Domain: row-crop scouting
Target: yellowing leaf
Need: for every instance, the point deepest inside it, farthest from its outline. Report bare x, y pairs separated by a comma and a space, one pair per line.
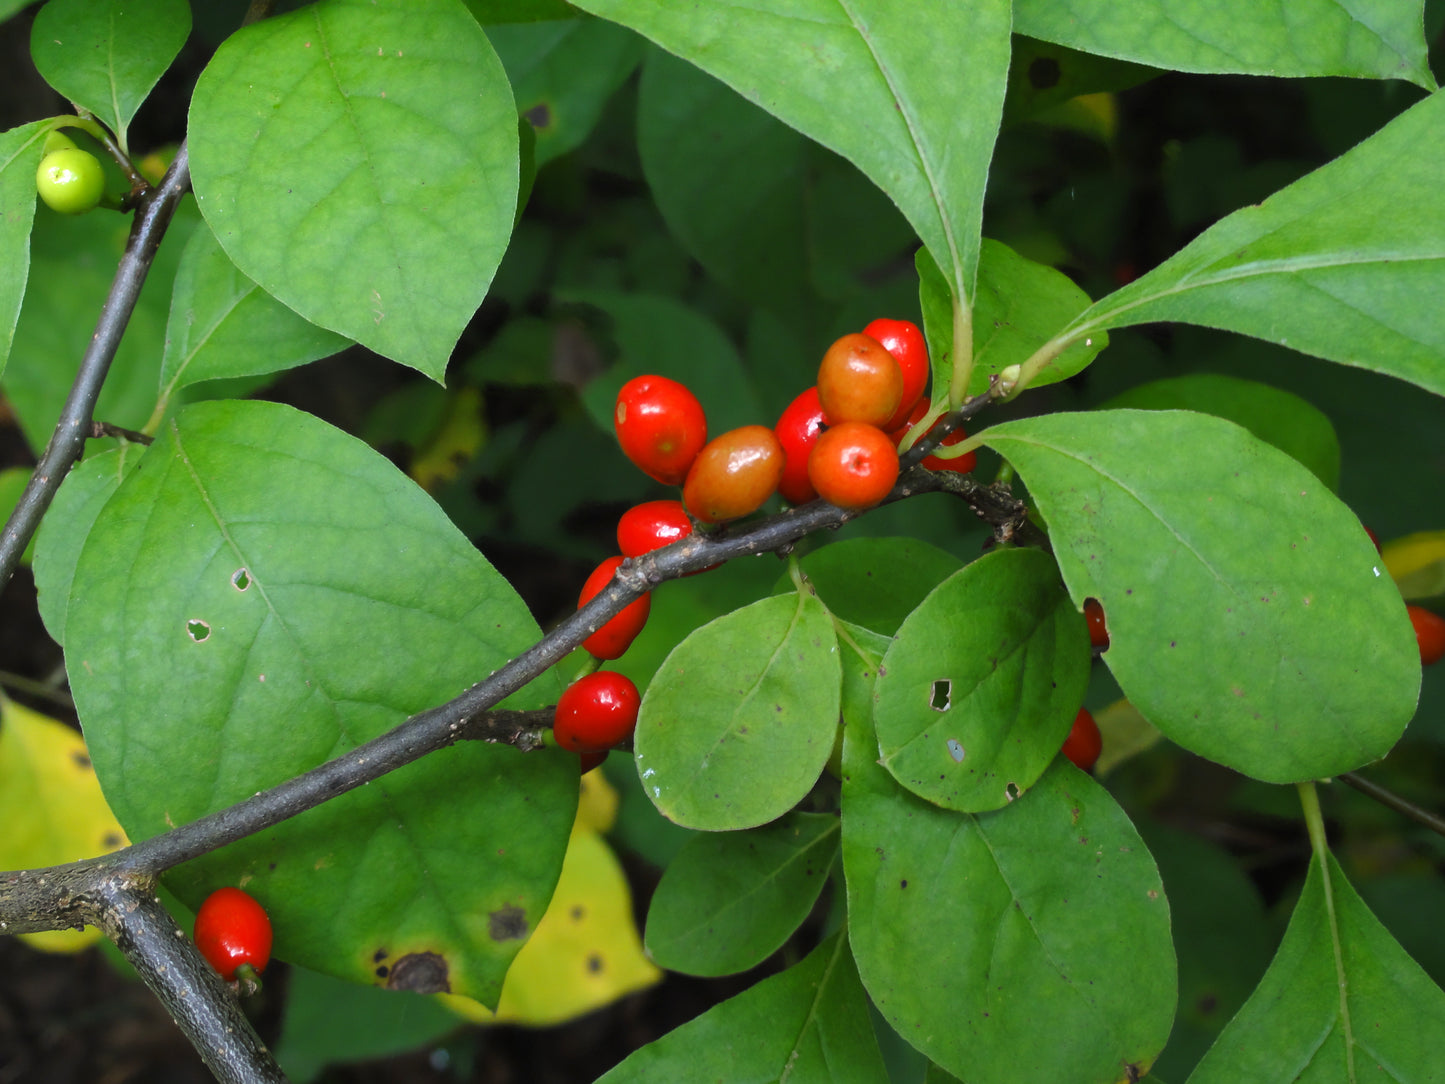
585, 952
50, 804
1126, 734
1417, 563
457, 439
597, 808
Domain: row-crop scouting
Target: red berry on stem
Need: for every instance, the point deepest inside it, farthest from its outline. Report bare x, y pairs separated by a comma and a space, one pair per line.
596, 712
905, 342
734, 474
588, 761
853, 465
859, 381
1430, 632
1098, 631
232, 931
798, 430
613, 638
661, 426
963, 464
1084, 743
650, 526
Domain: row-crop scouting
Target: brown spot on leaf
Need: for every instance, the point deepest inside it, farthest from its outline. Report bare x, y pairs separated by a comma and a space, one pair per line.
594, 963
421, 973
540, 116
507, 924
81, 760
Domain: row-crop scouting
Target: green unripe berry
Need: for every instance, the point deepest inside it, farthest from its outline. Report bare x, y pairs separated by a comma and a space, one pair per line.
70, 181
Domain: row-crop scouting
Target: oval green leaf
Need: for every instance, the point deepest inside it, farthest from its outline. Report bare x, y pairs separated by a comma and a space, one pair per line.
1240, 593
914, 102
981, 684
1328, 266
738, 722
976, 934
876, 582
19, 156
729, 900
358, 160
264, 593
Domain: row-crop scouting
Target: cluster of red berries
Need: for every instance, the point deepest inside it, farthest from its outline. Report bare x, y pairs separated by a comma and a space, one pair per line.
838, 440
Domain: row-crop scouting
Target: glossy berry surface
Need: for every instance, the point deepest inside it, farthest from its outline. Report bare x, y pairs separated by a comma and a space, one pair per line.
798, 430
615, 637
905, 342
853, 465
650, 526
1084, 743
734, 474
1094, 616
859, 381
70, 181
1430, 632
661, 427
233, 930
596, 712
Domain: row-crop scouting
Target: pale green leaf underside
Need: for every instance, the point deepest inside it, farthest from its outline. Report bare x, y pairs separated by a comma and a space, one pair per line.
1296, 1023
264, 593
1365, 38
359, 161
19, 157
1237, 588
913, 98
1347, 263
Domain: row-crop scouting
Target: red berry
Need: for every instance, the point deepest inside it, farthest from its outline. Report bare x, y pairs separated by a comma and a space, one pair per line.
859, 381
797, 432
661, 426
1430, 632
652, 525
963, 464
588, 761
853, 465
613, 638
1098, 631
905, 342
1084, 742
596, 712
734, 474
232, 931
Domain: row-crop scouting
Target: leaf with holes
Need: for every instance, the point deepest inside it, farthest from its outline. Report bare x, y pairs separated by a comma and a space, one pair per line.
729, 900
738, 721
1328, 266
222, 324
981, 684
1238, 589
1341, 1001
106, 55
912, 102
808, 1025
1358, 38
977, 933
263, 593
359, 161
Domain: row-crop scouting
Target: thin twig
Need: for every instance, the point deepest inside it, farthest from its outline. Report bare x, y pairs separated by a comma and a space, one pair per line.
1389, 798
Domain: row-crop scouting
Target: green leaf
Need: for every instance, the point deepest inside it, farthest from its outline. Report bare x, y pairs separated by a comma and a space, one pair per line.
1306, 37
264, 593
1347, 263
912, 101
1281, 418
656, 334
729, 900
808, 1025
875, 582
1043, 75
1019, 305
1237, 588
562, 74
358, 160
67, 525
738, 722
978, 934
106, 55
1341, 1001
20, 150
223, 325
488, 12
982, 682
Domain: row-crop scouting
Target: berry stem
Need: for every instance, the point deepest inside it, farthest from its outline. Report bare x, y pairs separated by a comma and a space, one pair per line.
1394, 801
